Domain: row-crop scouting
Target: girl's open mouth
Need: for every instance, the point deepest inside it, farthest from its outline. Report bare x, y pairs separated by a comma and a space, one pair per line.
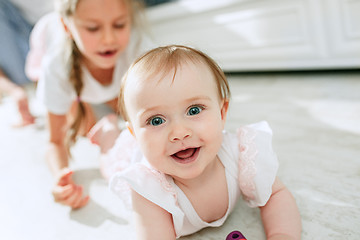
186, 156
108, 53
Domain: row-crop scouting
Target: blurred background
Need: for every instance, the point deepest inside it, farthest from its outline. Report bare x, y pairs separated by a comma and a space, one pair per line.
262, 35
293, 63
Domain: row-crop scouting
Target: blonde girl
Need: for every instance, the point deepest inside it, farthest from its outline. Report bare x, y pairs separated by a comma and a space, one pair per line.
79, 54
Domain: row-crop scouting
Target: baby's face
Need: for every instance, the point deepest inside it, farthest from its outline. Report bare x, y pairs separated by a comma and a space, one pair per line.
179, 123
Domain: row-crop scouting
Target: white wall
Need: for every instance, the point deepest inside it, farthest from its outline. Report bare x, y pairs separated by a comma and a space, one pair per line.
245, 35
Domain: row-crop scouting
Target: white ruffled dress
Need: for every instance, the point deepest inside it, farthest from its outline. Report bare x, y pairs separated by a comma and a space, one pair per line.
250, 168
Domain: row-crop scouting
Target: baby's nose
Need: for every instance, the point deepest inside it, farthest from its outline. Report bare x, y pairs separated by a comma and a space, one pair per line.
179, 133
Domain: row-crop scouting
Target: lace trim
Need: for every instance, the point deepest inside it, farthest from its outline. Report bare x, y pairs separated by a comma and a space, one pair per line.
119, 157
161, 178
122, 188
247, 156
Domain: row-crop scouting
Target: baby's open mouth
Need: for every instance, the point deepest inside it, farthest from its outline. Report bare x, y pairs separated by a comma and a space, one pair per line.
186, 156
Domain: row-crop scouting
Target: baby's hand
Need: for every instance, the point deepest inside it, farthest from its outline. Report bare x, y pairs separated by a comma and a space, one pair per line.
66, 192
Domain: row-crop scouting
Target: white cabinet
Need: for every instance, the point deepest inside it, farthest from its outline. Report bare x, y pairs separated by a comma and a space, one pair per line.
250, 35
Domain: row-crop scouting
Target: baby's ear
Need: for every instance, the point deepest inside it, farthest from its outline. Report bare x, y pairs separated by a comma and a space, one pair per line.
130, 128
224, 109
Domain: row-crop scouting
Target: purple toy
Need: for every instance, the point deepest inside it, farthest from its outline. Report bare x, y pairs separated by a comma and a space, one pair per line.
235, 235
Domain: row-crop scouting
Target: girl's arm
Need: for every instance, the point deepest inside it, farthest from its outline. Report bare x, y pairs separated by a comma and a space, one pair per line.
56, 156
152, 221
65, 190
280, 215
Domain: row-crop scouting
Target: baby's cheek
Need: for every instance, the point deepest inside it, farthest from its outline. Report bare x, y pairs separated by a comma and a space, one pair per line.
212, 135
153, 149
212, 126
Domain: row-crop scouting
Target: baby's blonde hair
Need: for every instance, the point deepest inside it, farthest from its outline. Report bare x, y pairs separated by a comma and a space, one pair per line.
164, 59
67, 8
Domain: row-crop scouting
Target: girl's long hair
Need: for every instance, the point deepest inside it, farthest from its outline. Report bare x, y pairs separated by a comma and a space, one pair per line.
75, 78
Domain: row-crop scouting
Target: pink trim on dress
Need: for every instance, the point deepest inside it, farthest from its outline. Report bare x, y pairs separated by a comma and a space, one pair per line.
122, 187
161, 178
247, 156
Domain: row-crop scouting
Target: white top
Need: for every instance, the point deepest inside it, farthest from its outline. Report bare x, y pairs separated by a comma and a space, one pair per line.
33, 10
48, 62
250, 167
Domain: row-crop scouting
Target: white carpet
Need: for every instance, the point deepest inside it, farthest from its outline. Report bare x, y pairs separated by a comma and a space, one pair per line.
316, 124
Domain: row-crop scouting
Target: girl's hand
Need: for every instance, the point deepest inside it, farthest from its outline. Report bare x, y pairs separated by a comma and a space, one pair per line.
66, 192
23, 108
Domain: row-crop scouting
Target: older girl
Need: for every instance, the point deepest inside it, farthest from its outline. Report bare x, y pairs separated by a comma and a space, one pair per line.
79, 55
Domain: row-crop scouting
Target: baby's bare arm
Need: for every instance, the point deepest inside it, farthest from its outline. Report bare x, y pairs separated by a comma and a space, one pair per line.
281, 217
152, 221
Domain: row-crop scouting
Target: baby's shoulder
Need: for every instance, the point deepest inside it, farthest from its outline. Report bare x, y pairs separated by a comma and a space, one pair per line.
249, 155
247, 140
146, 181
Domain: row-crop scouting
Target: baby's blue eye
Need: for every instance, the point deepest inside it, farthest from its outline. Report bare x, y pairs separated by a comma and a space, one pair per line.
156, 121
194, 110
